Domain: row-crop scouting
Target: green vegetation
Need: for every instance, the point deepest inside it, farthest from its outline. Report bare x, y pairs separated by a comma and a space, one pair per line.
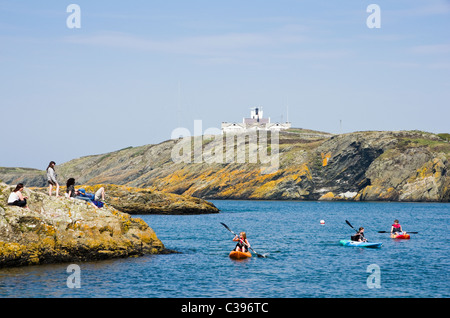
435, 145
444, 136
140, 151
17, 170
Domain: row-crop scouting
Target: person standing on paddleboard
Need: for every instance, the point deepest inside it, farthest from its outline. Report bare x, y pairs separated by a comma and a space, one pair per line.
242, 244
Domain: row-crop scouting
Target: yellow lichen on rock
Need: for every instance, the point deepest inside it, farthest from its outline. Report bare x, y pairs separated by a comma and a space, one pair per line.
63, 229
325, 158
327, 196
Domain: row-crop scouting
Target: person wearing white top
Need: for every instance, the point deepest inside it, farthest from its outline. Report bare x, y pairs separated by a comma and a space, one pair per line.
51, 179
16, 198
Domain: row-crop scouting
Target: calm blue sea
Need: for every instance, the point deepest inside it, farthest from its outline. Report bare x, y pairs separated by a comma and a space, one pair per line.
304, 258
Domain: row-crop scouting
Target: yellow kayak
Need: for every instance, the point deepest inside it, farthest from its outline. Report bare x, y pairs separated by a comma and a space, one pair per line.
240, 255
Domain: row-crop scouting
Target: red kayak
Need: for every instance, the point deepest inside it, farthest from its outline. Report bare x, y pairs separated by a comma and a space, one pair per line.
400, 236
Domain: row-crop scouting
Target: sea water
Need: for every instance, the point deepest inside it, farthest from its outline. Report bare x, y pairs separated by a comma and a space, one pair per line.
303, 257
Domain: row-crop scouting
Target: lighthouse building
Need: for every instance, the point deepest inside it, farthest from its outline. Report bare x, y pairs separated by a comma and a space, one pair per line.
255, 122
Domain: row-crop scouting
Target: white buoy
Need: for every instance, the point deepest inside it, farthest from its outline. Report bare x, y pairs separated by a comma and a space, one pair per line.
322, 222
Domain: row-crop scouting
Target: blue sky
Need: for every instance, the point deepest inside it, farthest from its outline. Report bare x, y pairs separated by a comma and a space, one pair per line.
137, 70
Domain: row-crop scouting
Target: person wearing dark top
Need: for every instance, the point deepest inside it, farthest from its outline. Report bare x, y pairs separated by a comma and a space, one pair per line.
81, 194
70, 190
359, 236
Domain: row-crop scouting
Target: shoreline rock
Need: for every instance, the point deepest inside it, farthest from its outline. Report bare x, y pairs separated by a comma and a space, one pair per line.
147, 201
134, 200
57, 230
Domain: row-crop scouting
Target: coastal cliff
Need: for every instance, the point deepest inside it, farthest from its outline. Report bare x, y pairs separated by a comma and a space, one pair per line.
360, 166
55, 230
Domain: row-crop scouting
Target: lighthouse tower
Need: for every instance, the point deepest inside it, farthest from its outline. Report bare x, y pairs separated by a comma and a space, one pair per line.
257, 114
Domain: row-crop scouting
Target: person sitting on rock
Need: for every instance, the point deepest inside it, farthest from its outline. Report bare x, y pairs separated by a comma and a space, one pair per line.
16, 198
70, 188
96, 199
98, 196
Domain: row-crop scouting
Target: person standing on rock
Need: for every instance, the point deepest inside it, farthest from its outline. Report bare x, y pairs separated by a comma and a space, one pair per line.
51, 178
16, 198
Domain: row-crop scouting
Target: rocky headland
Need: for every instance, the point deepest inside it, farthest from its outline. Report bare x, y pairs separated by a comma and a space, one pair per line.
360, 166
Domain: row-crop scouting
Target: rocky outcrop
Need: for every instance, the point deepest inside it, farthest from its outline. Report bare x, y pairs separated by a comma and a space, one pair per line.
57, 230
370, 165
390, 166
146, 201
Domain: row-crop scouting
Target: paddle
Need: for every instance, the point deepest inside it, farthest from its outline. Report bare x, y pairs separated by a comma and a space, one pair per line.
351, 225
259, 255
406, 232
355, 229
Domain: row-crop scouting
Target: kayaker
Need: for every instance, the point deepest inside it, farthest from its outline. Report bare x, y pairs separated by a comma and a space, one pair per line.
396, 228
359, 237
242, 244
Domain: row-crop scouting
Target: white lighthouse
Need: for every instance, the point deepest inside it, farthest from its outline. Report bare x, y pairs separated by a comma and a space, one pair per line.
255, 122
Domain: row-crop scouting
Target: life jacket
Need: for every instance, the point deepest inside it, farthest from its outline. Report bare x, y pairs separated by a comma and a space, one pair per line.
357, 236
241, 243
396, 227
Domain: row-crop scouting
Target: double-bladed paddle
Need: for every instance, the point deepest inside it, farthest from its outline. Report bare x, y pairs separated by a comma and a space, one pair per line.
259, 255
406, 232
355, 229
351, 225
